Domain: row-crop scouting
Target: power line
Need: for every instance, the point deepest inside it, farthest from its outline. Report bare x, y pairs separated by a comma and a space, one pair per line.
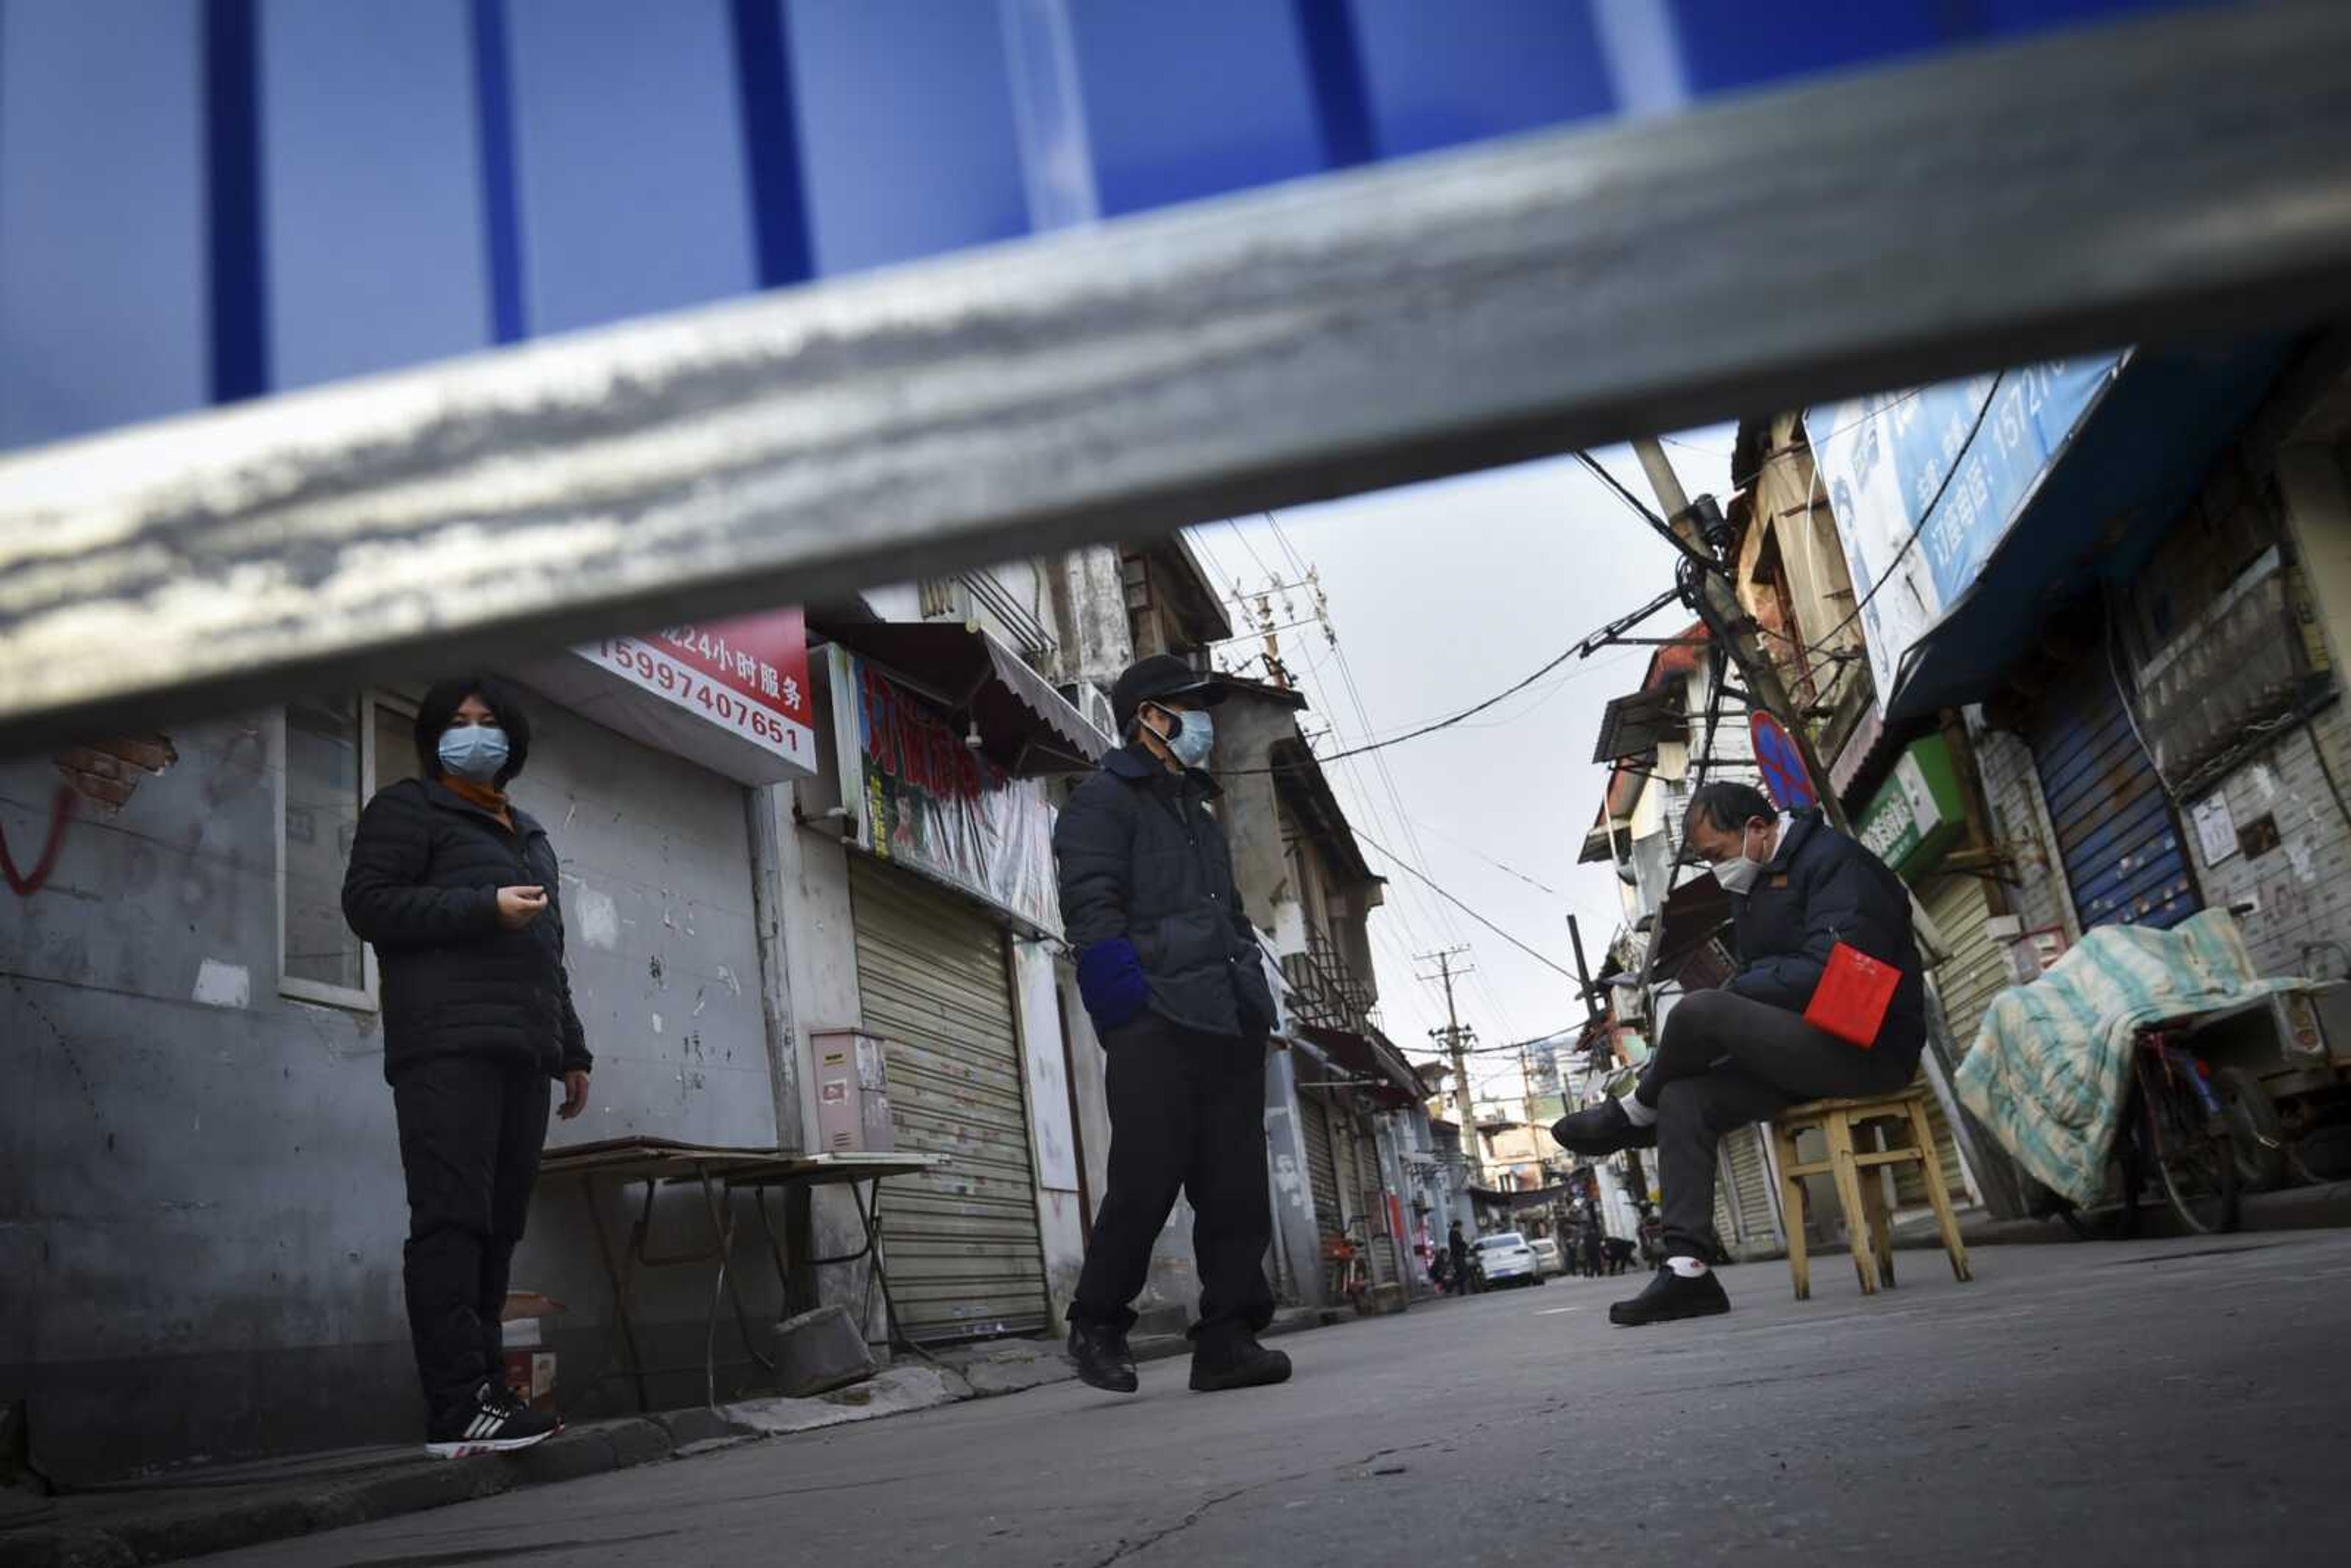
1498, 865
1533, 953
1403, 910
1379, 762
1387, 781
1923, 513
1431, 729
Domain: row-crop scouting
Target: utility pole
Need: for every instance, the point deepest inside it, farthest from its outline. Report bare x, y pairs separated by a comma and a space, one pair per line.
1457, 1044
1729, 620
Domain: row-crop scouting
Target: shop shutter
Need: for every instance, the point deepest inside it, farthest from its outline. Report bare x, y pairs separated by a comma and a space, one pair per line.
1976, 969
1752, 1179
2116, 834
1372, 1203
965, 1254
1322, 1166
1967, 980
1725, 1201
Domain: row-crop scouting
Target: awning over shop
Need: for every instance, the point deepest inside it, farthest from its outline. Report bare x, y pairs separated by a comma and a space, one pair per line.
2096, 517
1380, 1067
1025, 726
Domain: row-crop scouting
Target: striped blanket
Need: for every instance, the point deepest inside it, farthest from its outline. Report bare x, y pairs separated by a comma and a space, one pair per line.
2051, 1064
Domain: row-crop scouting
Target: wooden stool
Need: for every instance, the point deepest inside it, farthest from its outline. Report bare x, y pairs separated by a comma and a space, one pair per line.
1867, 1224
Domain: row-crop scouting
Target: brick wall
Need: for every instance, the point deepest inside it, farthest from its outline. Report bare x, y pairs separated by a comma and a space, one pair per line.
107, 771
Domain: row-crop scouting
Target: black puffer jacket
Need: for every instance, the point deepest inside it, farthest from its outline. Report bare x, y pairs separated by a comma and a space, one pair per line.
1822, 888
426, 865
1141, 858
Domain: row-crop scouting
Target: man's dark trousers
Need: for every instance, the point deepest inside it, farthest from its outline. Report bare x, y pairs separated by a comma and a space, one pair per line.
470, 1133
1725, 1061
1187, 1114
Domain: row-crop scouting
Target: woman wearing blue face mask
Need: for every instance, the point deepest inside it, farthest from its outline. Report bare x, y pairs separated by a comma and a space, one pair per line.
455, 888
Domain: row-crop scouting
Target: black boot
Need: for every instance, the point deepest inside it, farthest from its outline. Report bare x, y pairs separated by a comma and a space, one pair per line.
1103, 1361
1603, 1129
1228, 1356
1671, 1296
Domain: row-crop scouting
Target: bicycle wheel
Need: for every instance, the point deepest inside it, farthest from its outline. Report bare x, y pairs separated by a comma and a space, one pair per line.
2193, 1154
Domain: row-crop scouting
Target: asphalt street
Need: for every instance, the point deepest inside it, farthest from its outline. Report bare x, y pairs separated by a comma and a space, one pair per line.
2156, 1403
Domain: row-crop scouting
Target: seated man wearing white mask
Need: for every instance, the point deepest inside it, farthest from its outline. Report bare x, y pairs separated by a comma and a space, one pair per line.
1725, 1058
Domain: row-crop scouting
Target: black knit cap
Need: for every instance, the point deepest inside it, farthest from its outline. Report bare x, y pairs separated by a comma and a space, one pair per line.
1156, 679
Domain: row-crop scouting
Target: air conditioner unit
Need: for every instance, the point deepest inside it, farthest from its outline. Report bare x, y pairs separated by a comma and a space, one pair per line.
1094, 704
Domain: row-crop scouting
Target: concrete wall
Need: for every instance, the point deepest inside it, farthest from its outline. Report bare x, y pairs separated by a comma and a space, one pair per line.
1054, 1142
820, 956
2302, 884
1247, 726
201, 1203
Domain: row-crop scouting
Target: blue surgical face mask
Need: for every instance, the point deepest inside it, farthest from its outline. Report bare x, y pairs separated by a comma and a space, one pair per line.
475, 751
1194, 738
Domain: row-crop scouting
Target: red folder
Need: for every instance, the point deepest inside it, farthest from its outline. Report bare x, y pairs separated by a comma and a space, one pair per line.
1851, 1000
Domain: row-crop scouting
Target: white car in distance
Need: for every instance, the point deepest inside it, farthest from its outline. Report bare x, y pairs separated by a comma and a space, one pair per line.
1508, 1259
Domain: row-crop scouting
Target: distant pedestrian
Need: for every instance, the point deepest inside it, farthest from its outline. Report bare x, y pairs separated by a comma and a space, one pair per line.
1175, 980
1800, 891
1458, 1246
456, 887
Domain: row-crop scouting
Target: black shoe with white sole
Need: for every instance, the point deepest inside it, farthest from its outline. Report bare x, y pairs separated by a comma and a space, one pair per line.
1671, 1296
492, 1422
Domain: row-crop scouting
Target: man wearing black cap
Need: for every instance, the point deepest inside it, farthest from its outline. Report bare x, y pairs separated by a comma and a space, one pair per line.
1171, 973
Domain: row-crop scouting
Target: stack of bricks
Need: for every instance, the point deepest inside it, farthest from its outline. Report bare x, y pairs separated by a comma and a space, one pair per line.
107, 771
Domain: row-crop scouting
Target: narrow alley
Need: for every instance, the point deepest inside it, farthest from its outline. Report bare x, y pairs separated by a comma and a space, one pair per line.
2107, 1403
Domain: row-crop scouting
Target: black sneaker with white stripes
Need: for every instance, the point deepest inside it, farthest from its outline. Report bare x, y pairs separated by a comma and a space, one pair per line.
492, 1422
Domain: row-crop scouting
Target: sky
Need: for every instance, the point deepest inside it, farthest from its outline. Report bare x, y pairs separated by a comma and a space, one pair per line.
1442, 595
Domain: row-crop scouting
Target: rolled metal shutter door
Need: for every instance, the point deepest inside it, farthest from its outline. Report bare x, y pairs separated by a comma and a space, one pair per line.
962, 1245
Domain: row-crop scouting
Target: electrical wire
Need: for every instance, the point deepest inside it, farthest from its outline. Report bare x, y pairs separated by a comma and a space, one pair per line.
1498, 865
1404, 912
1355, 694
1925, 512
1534, 953
2130, 715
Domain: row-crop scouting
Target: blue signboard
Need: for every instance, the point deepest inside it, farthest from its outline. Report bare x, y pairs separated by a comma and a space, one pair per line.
1924, 485
201, 201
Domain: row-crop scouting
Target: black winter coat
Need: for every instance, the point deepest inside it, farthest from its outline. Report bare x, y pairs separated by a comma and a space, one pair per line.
426, 865
1822, 888
1141, 858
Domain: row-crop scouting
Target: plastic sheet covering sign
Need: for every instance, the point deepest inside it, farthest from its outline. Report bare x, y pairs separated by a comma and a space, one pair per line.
1925, 483
928, 803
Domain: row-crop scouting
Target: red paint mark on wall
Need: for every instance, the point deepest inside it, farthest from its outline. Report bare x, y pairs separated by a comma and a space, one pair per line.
105, 771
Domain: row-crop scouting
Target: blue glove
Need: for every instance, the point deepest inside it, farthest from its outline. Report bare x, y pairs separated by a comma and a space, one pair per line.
1110, 980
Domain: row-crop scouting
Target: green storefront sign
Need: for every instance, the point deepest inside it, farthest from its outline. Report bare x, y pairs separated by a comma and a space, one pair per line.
1916, 818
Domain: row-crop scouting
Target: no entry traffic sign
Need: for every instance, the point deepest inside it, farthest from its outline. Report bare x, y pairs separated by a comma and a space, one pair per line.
1784, 778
